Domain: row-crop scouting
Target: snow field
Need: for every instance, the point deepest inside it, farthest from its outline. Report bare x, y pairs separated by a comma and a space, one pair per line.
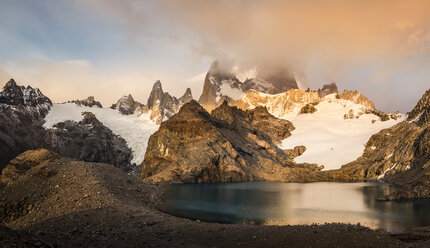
136, 130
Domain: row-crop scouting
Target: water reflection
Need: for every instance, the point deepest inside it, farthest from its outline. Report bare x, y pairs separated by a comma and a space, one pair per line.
291, 203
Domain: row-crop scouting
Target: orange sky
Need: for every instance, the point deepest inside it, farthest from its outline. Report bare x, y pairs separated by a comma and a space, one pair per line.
108, 48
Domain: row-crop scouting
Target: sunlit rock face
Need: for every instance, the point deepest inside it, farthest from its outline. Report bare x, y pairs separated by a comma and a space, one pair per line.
357, 97
279, 105
229, 144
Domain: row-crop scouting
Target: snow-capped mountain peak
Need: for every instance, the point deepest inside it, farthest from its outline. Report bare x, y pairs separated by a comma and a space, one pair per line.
221, 83
13, 94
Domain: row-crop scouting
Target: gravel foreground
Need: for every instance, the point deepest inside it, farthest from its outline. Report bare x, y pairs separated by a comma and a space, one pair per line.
65, 203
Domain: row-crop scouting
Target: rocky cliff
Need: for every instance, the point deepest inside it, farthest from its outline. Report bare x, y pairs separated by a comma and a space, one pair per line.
227, 145
22, 110
399, 155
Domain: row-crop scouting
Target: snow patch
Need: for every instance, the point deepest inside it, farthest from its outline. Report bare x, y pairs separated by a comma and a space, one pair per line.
330, 140
383, 174
416, 119
135, 129
373, 147
389, 156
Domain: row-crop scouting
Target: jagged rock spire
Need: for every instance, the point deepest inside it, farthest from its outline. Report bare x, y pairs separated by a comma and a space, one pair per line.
156, 94
187, 97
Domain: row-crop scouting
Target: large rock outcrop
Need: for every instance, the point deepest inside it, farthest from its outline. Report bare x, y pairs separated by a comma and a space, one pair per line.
126, 105
90, 141
22, 110
399, 155
227, 145
89, 102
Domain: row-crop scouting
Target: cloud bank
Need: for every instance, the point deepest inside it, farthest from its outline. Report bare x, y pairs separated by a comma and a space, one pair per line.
112, 47
301, 32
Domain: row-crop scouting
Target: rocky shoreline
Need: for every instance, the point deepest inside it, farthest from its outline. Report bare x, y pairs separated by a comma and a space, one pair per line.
58, 202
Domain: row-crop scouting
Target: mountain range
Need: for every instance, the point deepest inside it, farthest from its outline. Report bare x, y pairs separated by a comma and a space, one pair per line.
262, 129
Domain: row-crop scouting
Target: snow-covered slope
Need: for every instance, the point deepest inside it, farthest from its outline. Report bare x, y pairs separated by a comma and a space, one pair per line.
330, 139
135, 129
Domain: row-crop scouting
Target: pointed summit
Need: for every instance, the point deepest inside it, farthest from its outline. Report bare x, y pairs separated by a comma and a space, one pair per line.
126, 105
193, 107
156, 96
218, 82
10, 84
161, 104
187, 97
214, 69
157, 85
